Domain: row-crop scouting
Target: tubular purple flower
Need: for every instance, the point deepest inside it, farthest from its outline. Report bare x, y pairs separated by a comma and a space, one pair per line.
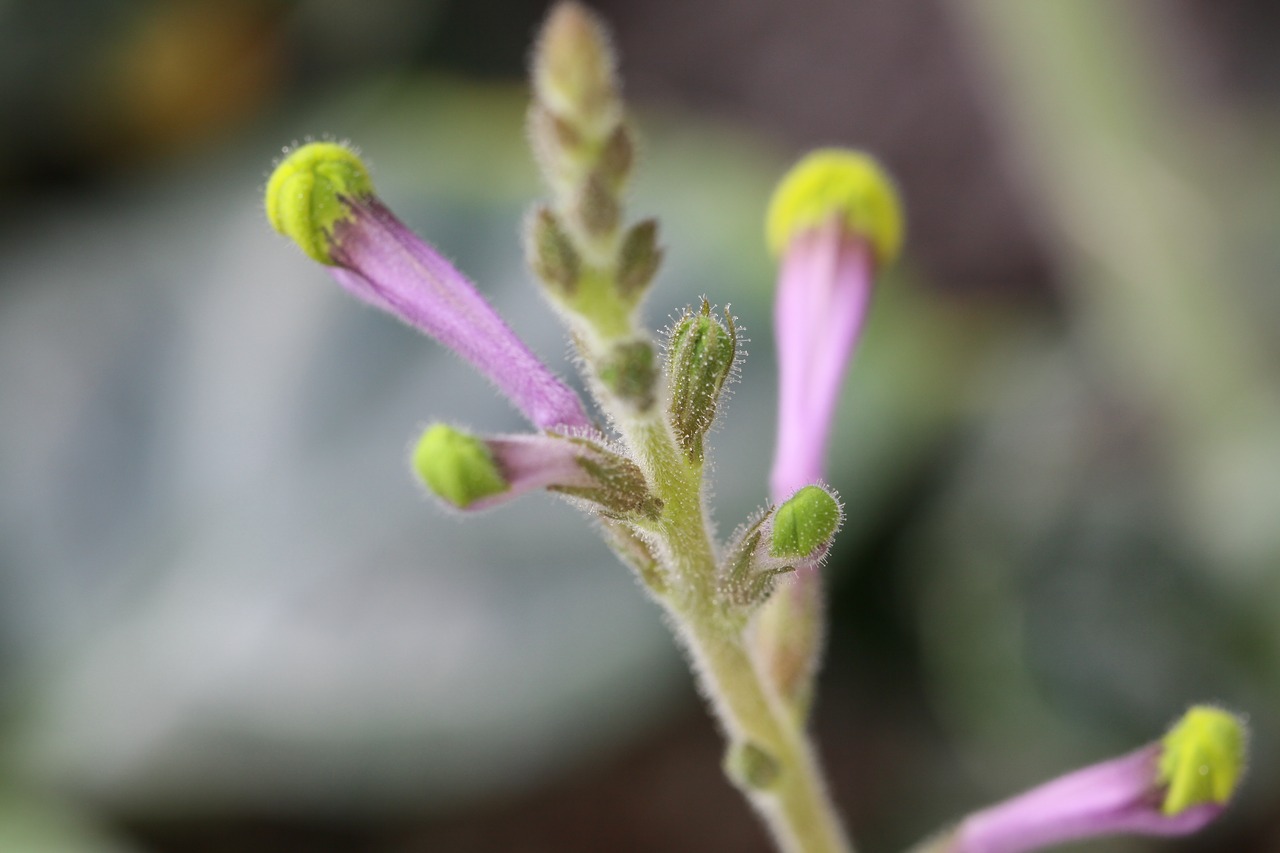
835, 220
321, 196
473, 473
1172, 787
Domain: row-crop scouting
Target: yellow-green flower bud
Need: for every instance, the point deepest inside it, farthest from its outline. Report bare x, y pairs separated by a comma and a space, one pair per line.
1202, 759
457, 467
309, 193
804, 524
836, 184
700, 358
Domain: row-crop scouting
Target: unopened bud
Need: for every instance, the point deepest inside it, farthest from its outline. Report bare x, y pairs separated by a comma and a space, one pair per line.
638, 259
573, 69
458, 468
700, 358
1202, 759
805, 524
751, 767
552, 255
310, 192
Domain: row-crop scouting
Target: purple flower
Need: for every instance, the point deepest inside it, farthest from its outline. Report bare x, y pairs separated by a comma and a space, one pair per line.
1172, 787
321, 196
835, 220
474, 473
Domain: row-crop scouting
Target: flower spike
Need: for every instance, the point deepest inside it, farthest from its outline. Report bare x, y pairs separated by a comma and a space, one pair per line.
321, 197
835, 220
1172, 787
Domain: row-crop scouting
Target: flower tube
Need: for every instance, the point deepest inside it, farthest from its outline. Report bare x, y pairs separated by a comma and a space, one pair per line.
835, 221
321, 196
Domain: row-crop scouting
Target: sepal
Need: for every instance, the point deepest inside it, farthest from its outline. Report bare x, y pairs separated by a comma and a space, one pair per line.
747, 572
469, 472
629, 373
638, 260
612, 483
551, 253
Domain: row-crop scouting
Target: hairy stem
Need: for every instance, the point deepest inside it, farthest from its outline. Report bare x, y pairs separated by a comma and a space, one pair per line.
794, 804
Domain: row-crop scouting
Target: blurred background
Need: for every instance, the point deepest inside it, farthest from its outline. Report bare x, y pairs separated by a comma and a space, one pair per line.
229, 621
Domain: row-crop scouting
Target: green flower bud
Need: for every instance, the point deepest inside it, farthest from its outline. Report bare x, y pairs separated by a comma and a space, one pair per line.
457, 467
309, 193
551, 253
751, 767
1202, 759
804, 524
700, 358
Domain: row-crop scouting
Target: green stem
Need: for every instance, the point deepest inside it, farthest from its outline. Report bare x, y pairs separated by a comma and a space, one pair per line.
795, 805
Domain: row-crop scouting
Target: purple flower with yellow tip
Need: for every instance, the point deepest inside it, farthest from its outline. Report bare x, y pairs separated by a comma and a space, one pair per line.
1172, 787
470, 472
835, 221
321, 197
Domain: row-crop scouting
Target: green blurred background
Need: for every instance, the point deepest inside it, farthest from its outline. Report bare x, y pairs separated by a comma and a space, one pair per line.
228, 620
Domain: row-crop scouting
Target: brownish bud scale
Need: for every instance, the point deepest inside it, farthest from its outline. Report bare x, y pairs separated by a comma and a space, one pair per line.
616, 158
700, 358
638, 260
629, 372
551, 254
597, 209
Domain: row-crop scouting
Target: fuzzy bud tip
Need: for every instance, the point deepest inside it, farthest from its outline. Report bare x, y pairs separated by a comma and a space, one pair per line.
806, 522
1202, 759
310, 192
457, 467
836, 183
